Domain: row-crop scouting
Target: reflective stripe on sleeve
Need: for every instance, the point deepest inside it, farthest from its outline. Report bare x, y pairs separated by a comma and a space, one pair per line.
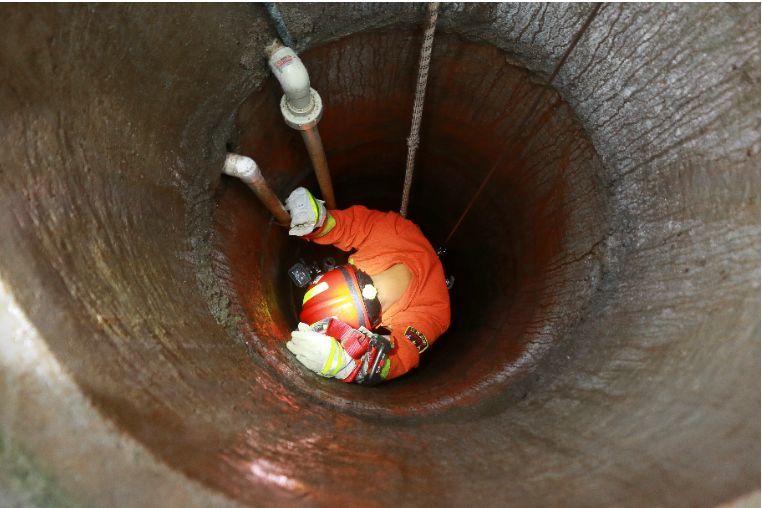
328, 366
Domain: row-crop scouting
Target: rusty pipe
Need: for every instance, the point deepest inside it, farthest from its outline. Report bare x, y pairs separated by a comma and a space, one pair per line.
302, 108
247, 170
316, 152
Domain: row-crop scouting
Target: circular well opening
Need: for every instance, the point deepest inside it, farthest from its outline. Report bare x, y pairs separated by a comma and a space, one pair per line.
517, 256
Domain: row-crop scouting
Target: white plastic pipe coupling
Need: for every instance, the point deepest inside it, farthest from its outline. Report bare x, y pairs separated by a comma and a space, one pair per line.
292, 76
241, 167
301, 105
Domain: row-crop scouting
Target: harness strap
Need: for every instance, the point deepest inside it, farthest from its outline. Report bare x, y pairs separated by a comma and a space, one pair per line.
354, 342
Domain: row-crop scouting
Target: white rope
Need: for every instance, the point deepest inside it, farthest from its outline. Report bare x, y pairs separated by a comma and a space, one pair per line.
420, 93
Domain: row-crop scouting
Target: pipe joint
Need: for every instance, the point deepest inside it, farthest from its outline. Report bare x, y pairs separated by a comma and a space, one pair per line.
241, 167
246, 169
302, 119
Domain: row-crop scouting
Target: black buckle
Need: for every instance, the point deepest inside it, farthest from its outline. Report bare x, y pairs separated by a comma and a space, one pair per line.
372, 376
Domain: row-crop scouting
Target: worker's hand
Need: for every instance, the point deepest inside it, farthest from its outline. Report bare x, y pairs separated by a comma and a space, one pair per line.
320, 353
369, 350
307, 213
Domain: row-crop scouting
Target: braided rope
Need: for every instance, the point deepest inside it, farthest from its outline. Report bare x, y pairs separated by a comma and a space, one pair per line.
420, 93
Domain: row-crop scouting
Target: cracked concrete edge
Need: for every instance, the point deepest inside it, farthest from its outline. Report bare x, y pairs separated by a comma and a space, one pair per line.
45, 419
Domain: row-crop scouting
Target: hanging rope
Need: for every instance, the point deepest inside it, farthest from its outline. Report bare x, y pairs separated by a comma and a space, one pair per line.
420, 92
521, 125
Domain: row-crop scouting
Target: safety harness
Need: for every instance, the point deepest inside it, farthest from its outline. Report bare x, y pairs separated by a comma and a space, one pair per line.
369, 350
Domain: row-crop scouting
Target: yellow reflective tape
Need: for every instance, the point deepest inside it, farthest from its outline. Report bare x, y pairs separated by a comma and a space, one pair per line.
339, 366
314, 207
387, 367
330, 222
314, 291
327, 365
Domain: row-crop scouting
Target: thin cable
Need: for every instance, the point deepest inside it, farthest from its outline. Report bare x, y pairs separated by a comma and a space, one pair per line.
424, 62
280, 25
521, 124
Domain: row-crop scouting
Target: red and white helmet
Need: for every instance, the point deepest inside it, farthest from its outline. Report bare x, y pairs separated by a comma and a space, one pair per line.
346, 293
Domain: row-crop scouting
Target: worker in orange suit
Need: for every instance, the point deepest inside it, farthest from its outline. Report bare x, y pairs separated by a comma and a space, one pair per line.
370, 320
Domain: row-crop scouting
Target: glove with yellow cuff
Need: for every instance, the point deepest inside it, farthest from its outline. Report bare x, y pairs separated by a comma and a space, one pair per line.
320, 353
309, 217
331, 348
307, 213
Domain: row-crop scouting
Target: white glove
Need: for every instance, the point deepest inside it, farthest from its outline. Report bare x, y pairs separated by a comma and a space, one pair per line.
307, 213
320, 353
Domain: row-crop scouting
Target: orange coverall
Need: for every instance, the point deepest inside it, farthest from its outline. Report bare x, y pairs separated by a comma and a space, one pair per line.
383, 239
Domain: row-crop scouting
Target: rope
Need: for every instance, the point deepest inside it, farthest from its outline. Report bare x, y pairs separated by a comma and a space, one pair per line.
524, 120
420, 93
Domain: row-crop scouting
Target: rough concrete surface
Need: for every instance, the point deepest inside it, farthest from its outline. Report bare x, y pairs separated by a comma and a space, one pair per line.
605, 339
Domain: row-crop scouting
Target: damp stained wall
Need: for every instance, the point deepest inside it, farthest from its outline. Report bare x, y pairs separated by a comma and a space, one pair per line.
136, 372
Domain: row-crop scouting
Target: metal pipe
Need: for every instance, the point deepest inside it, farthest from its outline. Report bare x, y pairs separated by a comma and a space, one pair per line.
247, 170
302, 109
316, 152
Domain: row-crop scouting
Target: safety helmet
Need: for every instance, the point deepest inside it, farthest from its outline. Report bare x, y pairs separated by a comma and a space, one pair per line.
346, 293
